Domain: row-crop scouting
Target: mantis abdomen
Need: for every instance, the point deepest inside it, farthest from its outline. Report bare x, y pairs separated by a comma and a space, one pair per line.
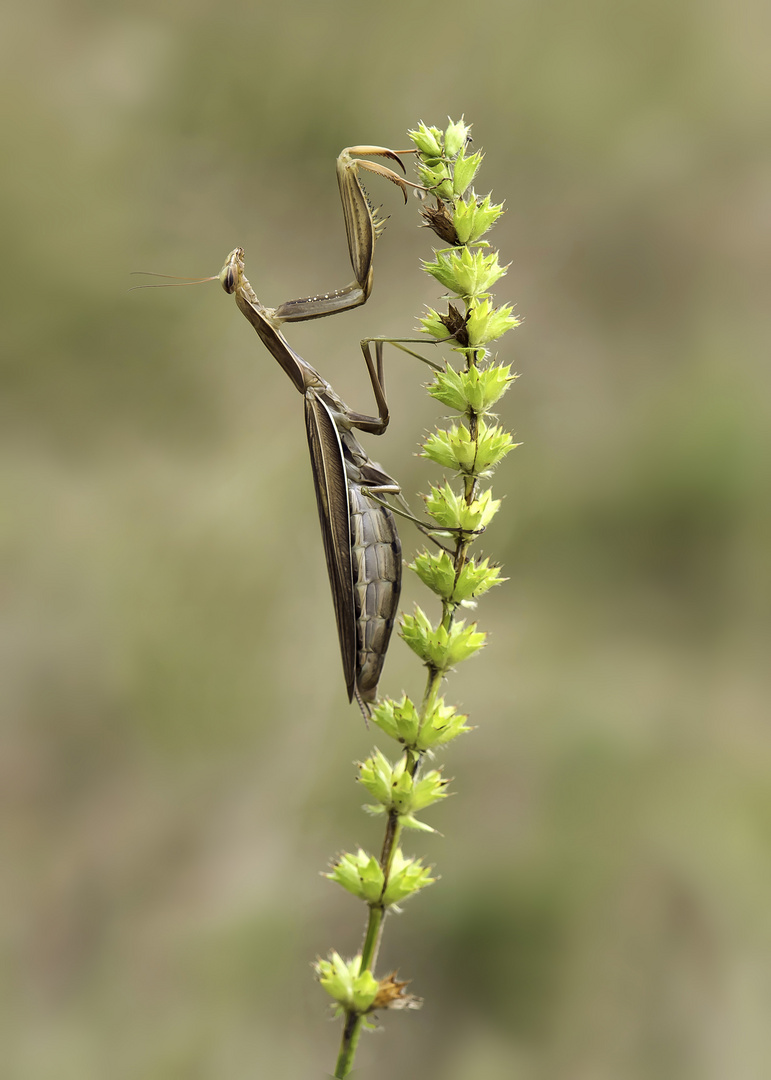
376, 556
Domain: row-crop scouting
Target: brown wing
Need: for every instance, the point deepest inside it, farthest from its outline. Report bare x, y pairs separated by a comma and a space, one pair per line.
331, 486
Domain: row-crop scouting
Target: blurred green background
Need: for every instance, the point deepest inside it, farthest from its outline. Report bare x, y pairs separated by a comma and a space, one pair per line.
176, 748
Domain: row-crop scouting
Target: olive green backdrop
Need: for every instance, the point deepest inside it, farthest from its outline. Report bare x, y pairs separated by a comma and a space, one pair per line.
176, 749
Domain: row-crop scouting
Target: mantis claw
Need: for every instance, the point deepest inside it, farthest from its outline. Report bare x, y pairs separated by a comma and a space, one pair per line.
363, 226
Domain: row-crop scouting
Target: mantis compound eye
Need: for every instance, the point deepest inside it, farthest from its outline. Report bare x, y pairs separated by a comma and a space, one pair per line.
228, 278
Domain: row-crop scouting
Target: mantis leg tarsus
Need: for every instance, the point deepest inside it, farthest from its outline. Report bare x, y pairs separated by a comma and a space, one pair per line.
400, 344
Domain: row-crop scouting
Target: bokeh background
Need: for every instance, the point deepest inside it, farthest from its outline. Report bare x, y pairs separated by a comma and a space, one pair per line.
176, 747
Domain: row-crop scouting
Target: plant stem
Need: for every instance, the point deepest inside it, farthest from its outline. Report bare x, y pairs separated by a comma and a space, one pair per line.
471, 449
375, 922
348, 1044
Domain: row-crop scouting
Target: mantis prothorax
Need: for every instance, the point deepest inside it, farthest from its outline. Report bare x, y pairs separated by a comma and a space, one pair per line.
361, 543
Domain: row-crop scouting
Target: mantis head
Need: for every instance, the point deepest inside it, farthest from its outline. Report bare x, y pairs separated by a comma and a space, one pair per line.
233, 271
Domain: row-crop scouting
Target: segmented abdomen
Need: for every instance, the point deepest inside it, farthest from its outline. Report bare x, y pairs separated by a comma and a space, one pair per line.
377, 581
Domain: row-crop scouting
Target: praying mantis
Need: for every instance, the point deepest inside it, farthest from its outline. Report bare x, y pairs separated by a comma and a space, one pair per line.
361, 542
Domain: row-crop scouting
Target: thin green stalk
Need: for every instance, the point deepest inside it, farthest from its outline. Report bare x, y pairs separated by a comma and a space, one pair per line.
348, 1045
353, 1020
